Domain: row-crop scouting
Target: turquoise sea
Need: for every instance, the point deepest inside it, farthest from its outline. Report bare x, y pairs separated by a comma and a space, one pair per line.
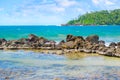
30, 65
107, 33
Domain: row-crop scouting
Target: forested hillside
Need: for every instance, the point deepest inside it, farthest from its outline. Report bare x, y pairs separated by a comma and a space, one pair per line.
103, 17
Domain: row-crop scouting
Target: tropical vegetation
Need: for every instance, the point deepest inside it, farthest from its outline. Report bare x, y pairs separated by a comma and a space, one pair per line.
104, 17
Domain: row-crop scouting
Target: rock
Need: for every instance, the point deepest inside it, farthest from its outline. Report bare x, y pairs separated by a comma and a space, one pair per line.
15, 42
88, 45
93, 39
118, 44
95, 47
79, 42
59, 45
69, 38
73, 44
33, 37
103, 49
23, 41
2, 41
50, 44
86, 50
25, 46
73, 38
42, 41
80, 37
61, 42
36, 42
118, 50
102, 43
12, 43
110, 52
68, 45
113, 44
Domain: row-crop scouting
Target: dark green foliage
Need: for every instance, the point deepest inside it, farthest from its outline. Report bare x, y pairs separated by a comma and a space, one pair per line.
103, 17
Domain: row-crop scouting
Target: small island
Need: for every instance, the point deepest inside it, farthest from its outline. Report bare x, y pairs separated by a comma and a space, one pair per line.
104, 17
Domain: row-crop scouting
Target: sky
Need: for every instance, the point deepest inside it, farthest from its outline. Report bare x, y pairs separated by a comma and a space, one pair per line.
49, 12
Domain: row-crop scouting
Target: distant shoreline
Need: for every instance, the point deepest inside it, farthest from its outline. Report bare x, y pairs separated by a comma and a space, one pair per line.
55, 25
88, 25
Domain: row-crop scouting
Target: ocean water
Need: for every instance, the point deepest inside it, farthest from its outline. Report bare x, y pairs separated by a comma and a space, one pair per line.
58, 33
29, 65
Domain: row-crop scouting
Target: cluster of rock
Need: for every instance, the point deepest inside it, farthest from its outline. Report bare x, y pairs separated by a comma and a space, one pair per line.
32, 42
91, 44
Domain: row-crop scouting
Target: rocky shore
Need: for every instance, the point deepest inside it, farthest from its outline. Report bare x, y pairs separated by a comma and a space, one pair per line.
90, 44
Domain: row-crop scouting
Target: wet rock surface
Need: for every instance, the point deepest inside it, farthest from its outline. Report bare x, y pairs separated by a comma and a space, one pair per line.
90, 44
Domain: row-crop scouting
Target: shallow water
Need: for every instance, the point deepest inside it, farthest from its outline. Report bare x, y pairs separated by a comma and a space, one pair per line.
28, 65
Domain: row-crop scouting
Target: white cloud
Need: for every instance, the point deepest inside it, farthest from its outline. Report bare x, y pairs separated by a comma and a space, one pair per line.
66, 3
100, 2
80, 10
96, 1
105, 4
1, 9
58, 9
109, 2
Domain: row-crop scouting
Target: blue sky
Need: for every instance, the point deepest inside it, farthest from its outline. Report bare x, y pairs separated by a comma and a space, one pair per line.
49, 12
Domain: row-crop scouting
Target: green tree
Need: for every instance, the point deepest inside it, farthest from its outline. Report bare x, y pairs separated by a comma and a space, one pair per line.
103, 17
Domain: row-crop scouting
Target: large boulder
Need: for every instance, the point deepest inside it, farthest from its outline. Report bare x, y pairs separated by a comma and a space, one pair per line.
2, 41
80, 37
36, 41
79, 42
70, 38
93, 39
73, 38
33, 37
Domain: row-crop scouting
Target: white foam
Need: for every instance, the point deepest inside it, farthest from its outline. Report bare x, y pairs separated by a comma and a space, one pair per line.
107, 44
